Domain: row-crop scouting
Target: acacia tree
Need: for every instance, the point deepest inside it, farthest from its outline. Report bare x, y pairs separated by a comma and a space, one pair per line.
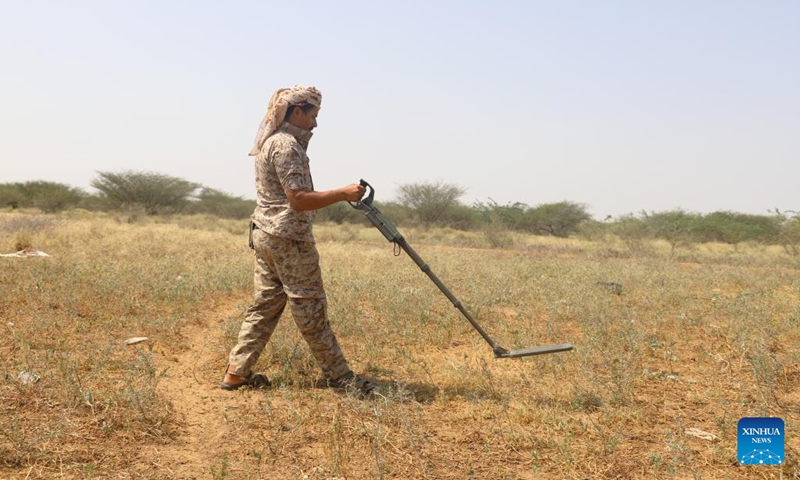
789, 233
431, 202
155, 192
676, 227
633, 231
557, 219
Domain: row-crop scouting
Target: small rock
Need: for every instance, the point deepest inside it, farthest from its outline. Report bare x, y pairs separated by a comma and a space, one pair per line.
135, 340
27, 378
613, 287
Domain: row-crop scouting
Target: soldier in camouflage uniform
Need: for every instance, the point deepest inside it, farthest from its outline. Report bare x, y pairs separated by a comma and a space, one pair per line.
287, 263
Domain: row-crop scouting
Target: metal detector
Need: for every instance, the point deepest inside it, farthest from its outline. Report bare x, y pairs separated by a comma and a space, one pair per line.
389, 231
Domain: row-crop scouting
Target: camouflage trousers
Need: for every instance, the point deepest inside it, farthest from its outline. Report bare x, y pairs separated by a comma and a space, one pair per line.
287, 270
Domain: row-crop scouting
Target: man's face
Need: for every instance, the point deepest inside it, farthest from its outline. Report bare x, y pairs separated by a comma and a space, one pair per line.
304, 120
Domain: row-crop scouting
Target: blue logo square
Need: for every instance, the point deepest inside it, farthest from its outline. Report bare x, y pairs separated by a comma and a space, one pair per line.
760, 441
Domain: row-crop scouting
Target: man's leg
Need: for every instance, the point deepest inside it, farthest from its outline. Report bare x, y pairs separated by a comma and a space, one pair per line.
261, 318
311, 317
298, 267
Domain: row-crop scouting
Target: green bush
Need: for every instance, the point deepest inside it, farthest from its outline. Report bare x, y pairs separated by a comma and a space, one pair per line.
215, 202
510, 216
633, 231
675, 226
431, 202
49, 197
789, 232
557, 219
11, 195
734, 228
461, 217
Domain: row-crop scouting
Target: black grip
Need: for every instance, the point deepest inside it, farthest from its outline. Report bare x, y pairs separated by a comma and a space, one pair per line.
364, 203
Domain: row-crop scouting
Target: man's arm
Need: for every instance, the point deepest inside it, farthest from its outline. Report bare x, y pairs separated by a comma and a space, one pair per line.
303, 200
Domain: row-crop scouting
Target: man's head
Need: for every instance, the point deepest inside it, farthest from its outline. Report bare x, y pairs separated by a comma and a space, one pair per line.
298, 105
302, 116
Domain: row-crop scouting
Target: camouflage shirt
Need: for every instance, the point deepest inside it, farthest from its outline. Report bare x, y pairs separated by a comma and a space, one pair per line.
283, 163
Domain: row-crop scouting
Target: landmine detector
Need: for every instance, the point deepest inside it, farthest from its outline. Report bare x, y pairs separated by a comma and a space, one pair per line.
389, 231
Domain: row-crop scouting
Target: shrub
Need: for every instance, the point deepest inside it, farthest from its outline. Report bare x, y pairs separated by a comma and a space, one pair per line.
509, 216
734, 228
11, 195
557, 219
675, 226
634, 233
461, 217
789, 232
431, 202
215, 202
49, 197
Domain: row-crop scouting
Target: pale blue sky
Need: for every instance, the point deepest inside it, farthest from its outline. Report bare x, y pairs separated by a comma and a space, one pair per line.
621, 105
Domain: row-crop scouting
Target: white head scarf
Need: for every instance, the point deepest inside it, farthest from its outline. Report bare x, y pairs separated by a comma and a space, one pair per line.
276, 110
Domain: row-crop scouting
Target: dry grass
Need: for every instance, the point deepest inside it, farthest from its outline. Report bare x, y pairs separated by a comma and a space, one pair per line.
700, 340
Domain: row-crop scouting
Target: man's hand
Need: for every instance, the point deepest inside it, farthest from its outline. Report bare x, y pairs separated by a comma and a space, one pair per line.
354, 192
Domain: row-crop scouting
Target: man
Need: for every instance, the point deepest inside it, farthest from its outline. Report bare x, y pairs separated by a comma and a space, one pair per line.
287, 262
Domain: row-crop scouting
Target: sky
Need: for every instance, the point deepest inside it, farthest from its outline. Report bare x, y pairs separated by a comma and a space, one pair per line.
624, 106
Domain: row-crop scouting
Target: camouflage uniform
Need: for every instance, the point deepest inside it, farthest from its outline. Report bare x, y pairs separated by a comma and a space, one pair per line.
287, 262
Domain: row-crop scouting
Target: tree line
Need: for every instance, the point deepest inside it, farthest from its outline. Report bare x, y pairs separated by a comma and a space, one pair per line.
145, 192
423, 204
